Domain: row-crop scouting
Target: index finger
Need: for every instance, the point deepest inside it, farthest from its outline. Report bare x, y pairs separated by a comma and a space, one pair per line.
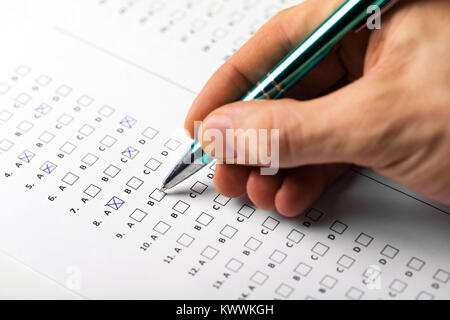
258, 56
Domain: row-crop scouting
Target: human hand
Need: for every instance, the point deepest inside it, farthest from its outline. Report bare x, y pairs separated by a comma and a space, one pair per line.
380, 100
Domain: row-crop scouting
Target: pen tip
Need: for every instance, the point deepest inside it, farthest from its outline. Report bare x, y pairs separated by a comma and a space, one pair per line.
162, 189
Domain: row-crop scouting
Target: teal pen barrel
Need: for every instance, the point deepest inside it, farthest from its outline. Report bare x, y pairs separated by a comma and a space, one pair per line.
302, 59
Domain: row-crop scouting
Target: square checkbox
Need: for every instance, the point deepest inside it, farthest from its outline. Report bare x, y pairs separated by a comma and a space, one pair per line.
259, 278
108, 141
235, 17
26, 156
90, 159
161, 227
424, 296
5, 115
328, 282
63, 90
180, 206
46, 137
70, 178
398, 286
346, 261
157, 195
23, 98
210, 252
115, 203
43, 80
5, 145
86, 130
441, 276
389, 251
199, 187
128, 122
198, 24
135, 183
130, 152
372, 273
354, 293
253, 244
234, 265
172, 144
277, 256
295, 236
204, 219
106, 111
85, 101
303, 269
23, 70
246, 211
320, 249
68, 148
314, 215
48, 167
44, 109
153, 164
221, 199
364, 239
92, 191
416, 264
284, 290
228, 231
178, 15
185, 240
112, 171
4, 88
138, 215
65, 119
270, 223
25, 126
150, 133
338, 227
219, 33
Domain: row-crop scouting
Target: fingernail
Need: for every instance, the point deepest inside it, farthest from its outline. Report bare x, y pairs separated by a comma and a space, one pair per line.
218, 122
188, 134
213, 134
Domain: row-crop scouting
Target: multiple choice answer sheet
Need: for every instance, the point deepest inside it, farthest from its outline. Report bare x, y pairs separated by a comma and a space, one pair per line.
93, 96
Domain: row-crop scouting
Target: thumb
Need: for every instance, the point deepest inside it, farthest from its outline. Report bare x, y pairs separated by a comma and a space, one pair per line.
346, 126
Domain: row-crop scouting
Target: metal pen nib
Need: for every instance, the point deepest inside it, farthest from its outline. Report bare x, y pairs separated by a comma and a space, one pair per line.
193, 161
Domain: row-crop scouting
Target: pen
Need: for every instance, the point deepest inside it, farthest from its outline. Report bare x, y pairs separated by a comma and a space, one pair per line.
352, 14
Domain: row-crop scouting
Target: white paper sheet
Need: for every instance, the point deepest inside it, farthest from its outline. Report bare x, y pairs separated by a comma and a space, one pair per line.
93, 97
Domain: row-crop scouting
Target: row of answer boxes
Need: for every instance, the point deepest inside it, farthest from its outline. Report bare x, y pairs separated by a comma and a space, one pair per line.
111, 171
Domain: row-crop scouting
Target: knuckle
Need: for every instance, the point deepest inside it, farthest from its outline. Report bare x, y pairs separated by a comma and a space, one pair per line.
382, 129
282, 27
289, 123
280, 15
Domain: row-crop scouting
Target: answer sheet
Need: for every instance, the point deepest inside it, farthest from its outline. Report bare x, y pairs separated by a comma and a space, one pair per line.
93, 96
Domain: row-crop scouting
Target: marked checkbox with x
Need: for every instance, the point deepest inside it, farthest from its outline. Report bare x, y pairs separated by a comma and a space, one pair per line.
26, 156
130, 152
128, 122
115, 203
48, 167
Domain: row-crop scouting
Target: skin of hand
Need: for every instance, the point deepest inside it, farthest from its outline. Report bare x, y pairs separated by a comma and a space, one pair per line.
381, 99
